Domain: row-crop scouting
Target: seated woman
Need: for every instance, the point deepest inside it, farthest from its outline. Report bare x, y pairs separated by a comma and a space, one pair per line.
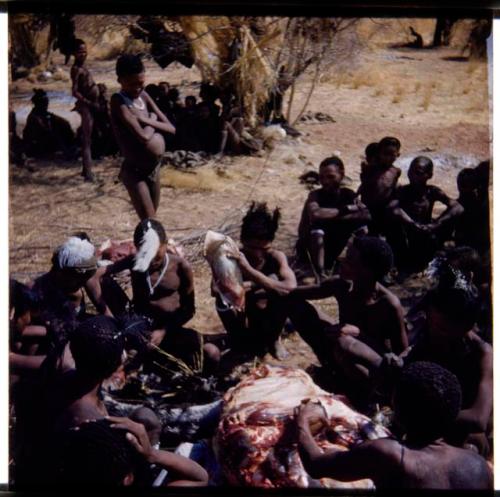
45, 133
163, 291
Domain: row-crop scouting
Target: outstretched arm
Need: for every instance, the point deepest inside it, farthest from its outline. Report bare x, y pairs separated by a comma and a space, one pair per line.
371, 459
327, 288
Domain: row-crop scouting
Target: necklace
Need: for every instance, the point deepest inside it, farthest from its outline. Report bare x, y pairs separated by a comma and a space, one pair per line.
148, 277
141, 105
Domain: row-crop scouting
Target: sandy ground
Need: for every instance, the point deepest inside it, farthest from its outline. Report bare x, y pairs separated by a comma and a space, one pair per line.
434, 102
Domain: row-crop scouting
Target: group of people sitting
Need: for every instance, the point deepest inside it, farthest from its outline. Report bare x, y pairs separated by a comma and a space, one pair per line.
197, 126
433, 365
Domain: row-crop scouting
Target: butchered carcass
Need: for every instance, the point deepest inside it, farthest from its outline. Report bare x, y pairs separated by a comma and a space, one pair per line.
226, 273
256, 441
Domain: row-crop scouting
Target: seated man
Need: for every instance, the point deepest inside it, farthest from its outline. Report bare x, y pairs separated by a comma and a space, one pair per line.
258, 327
416, 235
426, 401
371, 318
163, 291
329, 217
378, 183
45, 133
61, 291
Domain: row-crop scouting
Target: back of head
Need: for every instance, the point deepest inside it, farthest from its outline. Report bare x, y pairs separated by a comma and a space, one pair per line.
333, 161
96, 456
97, 346
427, 400
77, 43
375, 253
259, 223
467, 177
389, 141
152, 90
128, 65
40, 98
371, 151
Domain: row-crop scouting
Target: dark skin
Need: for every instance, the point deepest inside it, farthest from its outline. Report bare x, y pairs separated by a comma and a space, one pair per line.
174, 295
140, 140
380, 181
446, 345
420, 211
372, 327
86, 94
183, 472
330, 178
263, 314
425, 465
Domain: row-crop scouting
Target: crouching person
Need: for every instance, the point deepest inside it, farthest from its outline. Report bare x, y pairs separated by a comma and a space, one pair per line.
426, 401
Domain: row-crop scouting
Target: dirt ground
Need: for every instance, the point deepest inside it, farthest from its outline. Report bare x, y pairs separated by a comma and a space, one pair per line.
434, 101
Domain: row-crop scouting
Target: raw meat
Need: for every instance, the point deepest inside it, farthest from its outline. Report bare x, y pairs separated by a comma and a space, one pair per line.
256, 441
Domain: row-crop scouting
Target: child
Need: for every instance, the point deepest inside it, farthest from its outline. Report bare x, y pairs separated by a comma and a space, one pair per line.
426, 402
329, 217
416, 235
371, 318
378, 185
371, 158
163, 291
111, 453
138, 124
257, 329
85, 90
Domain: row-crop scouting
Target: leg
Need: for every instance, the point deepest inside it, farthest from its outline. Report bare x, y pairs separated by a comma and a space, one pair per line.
140, 195
317, 247
312, 326
155, 189
87, 125
234, 323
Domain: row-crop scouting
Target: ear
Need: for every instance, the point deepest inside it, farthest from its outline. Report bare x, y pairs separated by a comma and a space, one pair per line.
128, 480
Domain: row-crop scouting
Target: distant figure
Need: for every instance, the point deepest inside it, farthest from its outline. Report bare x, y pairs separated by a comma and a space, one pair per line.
329, 217
45, 133
415, 234
62, 35
103, 139
16, 147
370, 161
378, 185
442, 31
186, 136
138, 123
418, 41
86, 92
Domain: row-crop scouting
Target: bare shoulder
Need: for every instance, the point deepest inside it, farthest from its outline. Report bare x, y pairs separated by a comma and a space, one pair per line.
388, 450
279, 256
478, 343
179, 262
388, 297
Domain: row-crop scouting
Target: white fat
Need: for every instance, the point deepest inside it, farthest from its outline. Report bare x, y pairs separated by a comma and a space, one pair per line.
148, 248
74, 252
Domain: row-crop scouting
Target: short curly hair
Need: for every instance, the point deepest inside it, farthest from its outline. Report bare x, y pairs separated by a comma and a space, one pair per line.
97, 346
427, 399
128, 65
94, 455
375, 253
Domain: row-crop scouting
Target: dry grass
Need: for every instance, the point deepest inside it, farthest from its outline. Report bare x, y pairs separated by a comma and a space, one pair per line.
428, 92
398, 94
203, 179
